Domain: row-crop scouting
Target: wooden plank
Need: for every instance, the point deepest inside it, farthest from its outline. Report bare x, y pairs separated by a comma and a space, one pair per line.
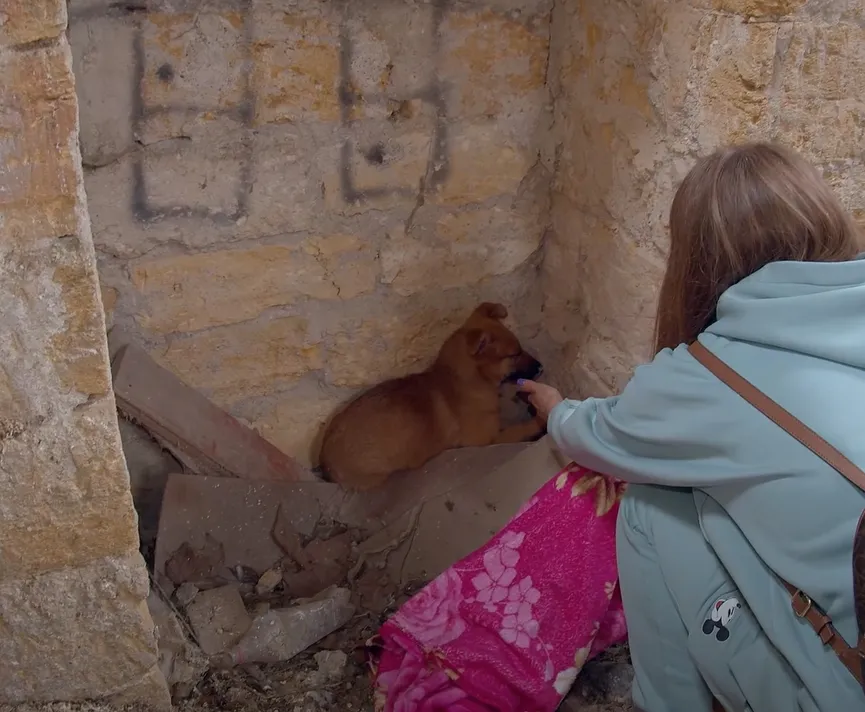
185, 421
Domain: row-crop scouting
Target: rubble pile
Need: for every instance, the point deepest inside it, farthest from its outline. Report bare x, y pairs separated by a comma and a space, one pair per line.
295, 633
267, 584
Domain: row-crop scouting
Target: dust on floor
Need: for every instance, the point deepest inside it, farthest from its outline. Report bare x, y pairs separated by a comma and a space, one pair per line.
333, 676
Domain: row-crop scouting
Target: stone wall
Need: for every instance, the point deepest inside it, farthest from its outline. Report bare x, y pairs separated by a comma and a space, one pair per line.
292, 201
73, 622
642, 89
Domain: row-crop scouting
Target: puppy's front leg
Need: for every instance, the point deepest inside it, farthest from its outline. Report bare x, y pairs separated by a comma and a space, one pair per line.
522, 432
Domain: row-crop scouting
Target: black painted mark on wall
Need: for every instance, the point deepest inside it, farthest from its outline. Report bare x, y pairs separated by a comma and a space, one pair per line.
438, 163
165, 72
375, 154
142, 207
127, 7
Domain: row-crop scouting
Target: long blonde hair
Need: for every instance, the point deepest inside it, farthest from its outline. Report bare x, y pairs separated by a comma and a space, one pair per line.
737, 210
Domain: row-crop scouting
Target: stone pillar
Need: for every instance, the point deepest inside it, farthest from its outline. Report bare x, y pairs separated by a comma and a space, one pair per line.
73, 620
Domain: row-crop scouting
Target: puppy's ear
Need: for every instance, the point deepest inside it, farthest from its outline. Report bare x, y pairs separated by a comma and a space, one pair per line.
492, 310
477, 340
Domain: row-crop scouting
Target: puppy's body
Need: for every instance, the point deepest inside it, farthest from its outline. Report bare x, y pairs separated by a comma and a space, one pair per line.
401, 424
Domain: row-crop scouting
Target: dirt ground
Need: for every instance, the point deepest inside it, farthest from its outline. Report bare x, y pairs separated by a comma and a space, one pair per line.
332, 675
298, 686
303, 684
288, 688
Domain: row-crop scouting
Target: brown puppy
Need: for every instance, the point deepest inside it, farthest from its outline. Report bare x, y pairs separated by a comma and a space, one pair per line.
400, 424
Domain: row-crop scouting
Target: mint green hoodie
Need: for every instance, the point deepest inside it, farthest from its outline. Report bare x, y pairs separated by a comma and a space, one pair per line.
796, 330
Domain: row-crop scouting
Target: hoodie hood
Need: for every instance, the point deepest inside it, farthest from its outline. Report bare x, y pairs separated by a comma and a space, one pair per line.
813, 308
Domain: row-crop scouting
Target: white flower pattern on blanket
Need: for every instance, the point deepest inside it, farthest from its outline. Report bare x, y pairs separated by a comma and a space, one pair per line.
493, 584
519, 625
519, 601
521, 594
520, 628
566, 677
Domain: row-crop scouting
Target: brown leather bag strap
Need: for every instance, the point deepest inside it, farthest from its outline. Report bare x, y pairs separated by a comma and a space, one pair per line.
781, 417
803, 606
806, 609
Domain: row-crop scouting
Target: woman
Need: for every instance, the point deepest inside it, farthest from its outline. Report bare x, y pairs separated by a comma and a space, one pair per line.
723, 503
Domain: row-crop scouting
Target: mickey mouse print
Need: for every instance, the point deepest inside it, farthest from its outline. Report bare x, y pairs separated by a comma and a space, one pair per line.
720, 615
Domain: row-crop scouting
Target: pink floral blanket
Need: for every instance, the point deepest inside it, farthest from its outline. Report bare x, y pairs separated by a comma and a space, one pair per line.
508, 628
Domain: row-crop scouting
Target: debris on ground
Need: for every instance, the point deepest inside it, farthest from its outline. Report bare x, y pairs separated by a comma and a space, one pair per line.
276, 588
318, 565
185, 594
269, 580
182, 663
245, 518
261, 582
281, 633
255, 560
189, 565
312, 651
331, 666
219, 618
202, 436
448, 522
604, 684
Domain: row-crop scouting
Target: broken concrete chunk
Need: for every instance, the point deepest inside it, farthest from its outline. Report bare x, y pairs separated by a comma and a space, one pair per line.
331, 664
307, 583
282, 633
476, 508
326, 563
259, 609
239, 514
336, 549
185, 593
188, 564
218, 618
181, 662
288, 538
269, 580
192, 426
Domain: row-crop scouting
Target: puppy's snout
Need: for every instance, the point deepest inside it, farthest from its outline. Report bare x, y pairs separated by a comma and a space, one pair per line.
527, 367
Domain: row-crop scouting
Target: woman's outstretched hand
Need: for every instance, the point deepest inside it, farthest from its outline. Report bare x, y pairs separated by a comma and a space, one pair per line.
543, 398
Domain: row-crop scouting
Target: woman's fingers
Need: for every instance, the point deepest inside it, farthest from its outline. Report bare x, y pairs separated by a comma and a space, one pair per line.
544, 398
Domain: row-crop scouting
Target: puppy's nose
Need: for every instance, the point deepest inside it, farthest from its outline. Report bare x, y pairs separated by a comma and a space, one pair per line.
534, 370
527, 367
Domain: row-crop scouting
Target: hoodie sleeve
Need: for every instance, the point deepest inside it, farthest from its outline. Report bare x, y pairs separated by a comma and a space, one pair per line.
674, 424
